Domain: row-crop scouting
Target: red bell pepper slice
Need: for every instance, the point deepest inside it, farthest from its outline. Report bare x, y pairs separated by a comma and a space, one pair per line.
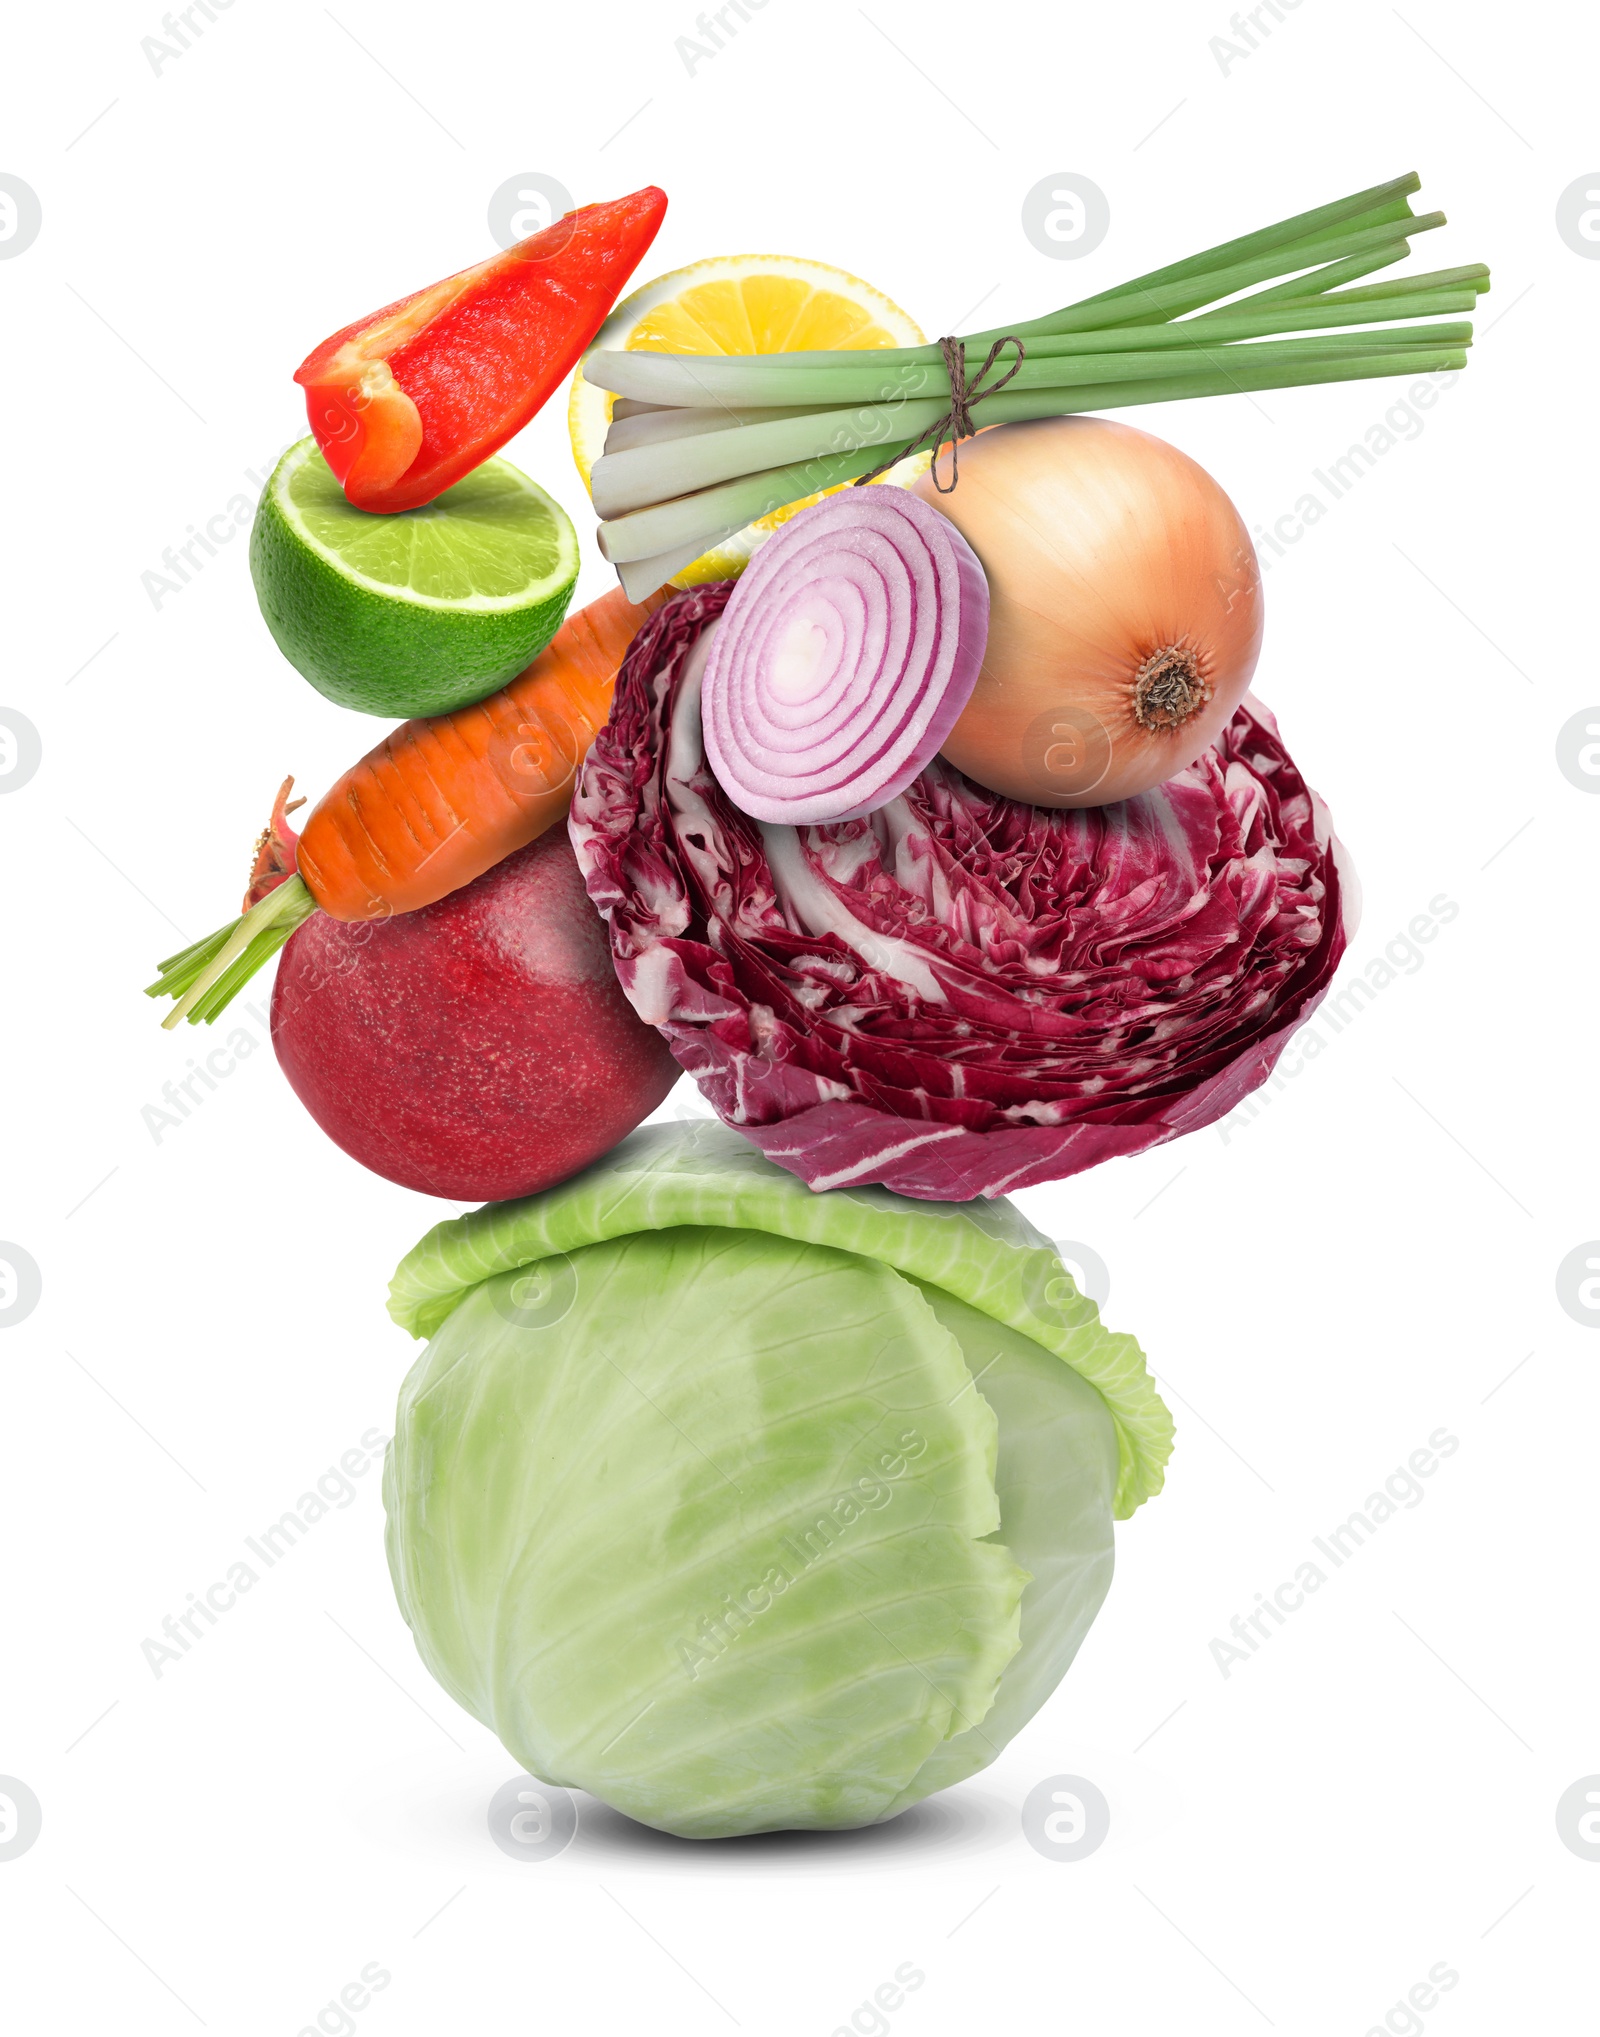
409, 399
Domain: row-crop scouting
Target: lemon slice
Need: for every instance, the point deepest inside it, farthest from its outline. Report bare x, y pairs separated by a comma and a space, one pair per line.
742, 304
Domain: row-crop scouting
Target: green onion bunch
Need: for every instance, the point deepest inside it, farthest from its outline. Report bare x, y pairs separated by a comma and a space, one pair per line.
701, 445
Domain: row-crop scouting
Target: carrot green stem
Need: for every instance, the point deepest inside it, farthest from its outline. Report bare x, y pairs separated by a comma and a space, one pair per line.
207, 976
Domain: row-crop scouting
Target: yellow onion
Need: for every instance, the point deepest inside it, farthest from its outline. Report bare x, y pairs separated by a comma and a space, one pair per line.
1125, 609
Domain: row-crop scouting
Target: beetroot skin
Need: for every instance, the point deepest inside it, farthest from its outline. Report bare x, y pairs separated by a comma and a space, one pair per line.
479, 1048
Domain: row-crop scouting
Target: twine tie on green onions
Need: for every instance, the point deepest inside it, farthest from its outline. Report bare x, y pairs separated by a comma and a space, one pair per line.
956, 424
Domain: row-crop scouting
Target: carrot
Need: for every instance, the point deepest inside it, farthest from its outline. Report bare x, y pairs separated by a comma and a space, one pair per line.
445, 798
438, 802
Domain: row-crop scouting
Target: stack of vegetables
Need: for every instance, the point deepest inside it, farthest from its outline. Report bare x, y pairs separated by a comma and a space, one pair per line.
944, 846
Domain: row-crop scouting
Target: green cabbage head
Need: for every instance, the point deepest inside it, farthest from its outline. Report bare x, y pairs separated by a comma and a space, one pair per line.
746, 1507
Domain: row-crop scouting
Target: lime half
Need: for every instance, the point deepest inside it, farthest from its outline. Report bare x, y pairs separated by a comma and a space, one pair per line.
415, 613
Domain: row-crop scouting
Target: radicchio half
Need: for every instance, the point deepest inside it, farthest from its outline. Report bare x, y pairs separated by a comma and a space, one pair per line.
959, 995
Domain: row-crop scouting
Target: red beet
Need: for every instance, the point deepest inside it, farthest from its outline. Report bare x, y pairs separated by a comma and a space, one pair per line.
477, 1049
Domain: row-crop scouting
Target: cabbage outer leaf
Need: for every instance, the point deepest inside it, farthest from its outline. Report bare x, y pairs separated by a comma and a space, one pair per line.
985, 1254
1055, 1478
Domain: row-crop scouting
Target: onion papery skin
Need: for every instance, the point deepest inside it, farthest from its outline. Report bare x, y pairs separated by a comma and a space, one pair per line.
843, 659
961, 994
1103, 546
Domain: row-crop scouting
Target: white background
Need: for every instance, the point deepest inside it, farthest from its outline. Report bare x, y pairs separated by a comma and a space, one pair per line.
1292, 1846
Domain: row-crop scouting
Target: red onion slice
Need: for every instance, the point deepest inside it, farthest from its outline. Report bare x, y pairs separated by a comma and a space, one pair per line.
843, 658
